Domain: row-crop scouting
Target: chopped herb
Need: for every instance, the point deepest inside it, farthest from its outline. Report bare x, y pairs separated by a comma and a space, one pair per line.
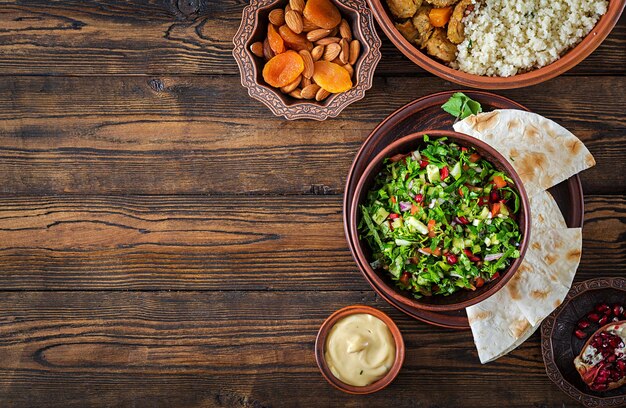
461, 106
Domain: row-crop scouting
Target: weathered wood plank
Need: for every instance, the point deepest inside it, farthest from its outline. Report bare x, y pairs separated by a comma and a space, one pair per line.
232, 349
216, 243
136, 37
133, 135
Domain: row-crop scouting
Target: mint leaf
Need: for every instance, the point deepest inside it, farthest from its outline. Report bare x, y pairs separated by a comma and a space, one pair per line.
461, 106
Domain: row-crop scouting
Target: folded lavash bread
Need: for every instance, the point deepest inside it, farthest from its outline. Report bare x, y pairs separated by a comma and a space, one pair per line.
541, 151
505, 320
544, 154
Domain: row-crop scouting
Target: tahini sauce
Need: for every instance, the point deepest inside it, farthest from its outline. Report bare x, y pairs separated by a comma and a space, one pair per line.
360, 349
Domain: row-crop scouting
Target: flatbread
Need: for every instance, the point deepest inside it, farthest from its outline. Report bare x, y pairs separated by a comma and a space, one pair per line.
542, 152
505, 320
496, 326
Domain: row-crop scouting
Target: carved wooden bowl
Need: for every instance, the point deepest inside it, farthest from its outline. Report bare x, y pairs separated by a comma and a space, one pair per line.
254, 28
559, 346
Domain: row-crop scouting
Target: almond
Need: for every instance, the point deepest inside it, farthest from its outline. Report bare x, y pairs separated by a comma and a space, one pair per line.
306, 82
317, 34
344, 55
317, 52
257, 49
294, 21
355, 49
289, 88
334, 32
309, 92
267, 50
327, 40
344, 30
277, 17
332, 51
296, 94
307, 25
349, 68
309, 67
321, 94
297, 5
287, 8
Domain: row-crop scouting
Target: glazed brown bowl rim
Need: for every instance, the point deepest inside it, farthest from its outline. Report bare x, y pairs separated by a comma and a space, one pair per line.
547, 333
320, 345
364, 264
364, 68
570, 59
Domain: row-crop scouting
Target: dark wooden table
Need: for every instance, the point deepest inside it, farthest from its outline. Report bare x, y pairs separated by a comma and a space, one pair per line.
165, 241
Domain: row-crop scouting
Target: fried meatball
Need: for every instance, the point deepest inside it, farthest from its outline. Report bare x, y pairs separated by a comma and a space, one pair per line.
421, 21
408, 31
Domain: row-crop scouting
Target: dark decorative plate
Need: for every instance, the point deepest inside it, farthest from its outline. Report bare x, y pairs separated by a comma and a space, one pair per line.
559, 346
425, 114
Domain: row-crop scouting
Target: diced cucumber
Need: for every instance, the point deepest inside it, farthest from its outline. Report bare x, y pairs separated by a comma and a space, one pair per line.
380, 215
456, 170
433, 173
417, 225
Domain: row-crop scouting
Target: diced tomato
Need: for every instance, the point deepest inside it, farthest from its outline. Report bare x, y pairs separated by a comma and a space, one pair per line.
495, 276
393, 199
419, 198
404, 279
499, 182
463, 149
423, 163
470, 255
444, 173
397, 157
452, 259
463, 220
474, 157
393, 216
436, 252
495, 209
414, 209
479, 282
431, 228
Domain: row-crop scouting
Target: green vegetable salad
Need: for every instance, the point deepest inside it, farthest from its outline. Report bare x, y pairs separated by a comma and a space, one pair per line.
441, 219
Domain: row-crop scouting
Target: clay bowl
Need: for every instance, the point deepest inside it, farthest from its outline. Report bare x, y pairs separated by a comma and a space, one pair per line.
320, 344
379, 279
567, 61
254, 28
559, 346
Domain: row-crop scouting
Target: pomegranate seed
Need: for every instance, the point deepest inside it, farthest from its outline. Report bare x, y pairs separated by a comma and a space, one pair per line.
583, 324
423, 164
452, 259
404, 279
614, 342
593, 317
617, 309
621, 365
603, 320
494, 197
602, 307
600, 387
419, 198
580, 334
611, 358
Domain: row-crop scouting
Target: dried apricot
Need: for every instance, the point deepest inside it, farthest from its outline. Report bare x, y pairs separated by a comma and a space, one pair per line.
294, 41
322, 13
276, 41
332, 77
283, 69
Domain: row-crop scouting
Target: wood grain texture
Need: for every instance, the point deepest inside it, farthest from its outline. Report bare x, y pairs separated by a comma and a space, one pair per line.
232, 349
168, 37
216, 243
173, 135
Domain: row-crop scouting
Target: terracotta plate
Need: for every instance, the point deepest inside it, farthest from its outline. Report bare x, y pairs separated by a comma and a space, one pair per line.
423, 114
559, 346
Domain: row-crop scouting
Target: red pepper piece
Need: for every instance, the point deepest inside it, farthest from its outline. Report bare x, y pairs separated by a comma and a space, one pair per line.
423, 163
444, 173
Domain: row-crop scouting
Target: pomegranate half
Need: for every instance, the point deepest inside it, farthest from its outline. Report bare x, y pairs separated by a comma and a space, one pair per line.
602, 360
